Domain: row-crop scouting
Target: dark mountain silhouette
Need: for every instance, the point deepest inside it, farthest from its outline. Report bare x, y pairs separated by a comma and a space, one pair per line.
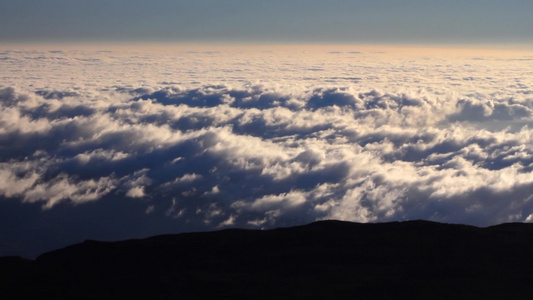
322, 260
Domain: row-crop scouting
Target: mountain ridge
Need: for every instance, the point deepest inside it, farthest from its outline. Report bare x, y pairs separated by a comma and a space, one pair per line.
410, 259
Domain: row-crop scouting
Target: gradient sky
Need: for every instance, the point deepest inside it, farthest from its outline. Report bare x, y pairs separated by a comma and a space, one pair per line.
293, 21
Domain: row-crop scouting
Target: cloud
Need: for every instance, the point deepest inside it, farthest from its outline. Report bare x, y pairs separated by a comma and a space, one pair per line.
360, 146
136, 192
264, 155
491, 110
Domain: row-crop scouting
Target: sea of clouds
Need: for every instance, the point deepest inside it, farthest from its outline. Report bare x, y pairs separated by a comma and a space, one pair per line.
199, 140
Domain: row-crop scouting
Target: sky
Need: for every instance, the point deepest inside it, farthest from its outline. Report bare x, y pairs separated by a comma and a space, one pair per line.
128, 119
254, 21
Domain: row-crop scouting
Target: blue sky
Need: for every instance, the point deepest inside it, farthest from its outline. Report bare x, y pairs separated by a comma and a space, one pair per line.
287, 21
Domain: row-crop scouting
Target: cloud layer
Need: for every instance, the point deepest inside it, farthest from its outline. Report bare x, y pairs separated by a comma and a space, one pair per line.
261, 155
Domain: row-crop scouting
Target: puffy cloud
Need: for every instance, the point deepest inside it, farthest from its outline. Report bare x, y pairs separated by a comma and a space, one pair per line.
263, 155
136, 192
363, 142
488, 110
62, 188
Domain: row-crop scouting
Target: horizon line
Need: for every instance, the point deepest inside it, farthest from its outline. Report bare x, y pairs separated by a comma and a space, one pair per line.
401, 48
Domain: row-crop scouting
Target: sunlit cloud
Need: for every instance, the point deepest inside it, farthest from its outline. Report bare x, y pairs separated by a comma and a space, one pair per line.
293, 138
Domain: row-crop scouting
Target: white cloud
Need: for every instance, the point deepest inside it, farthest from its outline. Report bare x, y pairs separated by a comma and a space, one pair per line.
11, 185
285, 200
136, 192
187, 178
63, 188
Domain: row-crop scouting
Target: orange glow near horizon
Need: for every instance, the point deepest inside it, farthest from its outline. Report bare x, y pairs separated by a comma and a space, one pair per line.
499, 50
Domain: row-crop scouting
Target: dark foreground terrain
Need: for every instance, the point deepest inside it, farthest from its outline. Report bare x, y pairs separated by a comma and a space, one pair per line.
322, 260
